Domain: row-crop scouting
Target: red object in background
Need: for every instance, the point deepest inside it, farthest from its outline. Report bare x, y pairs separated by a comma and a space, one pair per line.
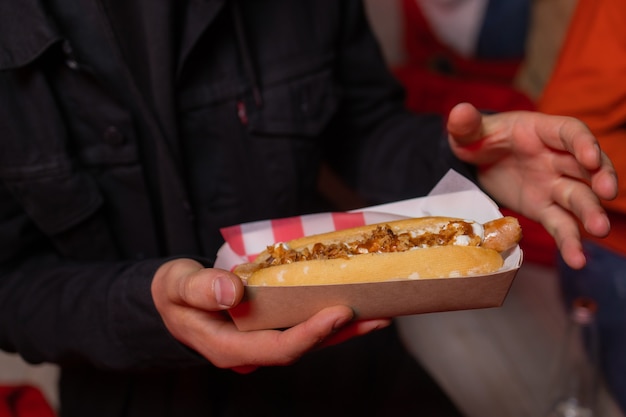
436, 79
430, 92
23, 401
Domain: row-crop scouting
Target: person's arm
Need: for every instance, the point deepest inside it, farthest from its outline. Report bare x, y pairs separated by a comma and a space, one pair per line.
61, 311
383, 150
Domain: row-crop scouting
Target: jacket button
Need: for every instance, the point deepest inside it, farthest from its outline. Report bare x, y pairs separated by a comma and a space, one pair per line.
70, 59
113, 136
66, 46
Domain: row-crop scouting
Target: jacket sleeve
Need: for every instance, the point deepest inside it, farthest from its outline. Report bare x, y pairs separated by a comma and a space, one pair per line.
68, 312
87, 307
386, 152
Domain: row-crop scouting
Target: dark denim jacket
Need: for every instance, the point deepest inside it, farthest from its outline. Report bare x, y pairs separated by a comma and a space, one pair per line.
117, 151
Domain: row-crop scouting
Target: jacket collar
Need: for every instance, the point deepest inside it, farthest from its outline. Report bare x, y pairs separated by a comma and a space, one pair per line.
25, 32
199, 15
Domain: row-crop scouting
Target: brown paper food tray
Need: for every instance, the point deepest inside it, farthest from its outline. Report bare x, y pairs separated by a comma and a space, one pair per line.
454, 196
282, 307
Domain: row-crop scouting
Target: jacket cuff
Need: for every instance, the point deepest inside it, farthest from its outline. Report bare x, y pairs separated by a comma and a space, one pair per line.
140, 328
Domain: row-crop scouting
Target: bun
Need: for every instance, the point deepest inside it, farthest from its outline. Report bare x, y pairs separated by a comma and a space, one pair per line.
423, 247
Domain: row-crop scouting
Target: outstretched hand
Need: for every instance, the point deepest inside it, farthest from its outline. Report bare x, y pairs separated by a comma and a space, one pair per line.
192, 301
548, 168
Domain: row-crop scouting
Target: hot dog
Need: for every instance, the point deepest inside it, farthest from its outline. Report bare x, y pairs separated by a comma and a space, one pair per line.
423, 247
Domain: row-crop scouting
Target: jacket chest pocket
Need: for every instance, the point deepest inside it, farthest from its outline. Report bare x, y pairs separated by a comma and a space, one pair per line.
275, 144
100, 128
286, 134
286, 131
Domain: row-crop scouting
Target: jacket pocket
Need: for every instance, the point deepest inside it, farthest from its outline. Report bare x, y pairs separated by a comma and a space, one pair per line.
58, 201
26, 32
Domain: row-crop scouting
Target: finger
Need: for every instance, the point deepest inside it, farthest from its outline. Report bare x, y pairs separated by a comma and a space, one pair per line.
604, 181
564, 229
244, 370
464, 124
478, 139
188, 283
565, 164
585, 147
572, 197
580, 200
573, 136
316, 330
577, 198
230, 348
211, 289
355, 329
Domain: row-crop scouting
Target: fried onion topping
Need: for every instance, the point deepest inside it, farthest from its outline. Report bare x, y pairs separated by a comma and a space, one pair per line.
380, 240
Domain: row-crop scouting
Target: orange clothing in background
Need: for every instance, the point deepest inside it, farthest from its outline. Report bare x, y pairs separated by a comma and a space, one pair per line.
589, 82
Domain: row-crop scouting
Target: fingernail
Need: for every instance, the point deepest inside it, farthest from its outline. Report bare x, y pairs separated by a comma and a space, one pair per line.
224, 290
379, 325
339, 323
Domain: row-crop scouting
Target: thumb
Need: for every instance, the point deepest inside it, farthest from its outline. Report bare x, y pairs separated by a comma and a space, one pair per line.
186, 282
464, 125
